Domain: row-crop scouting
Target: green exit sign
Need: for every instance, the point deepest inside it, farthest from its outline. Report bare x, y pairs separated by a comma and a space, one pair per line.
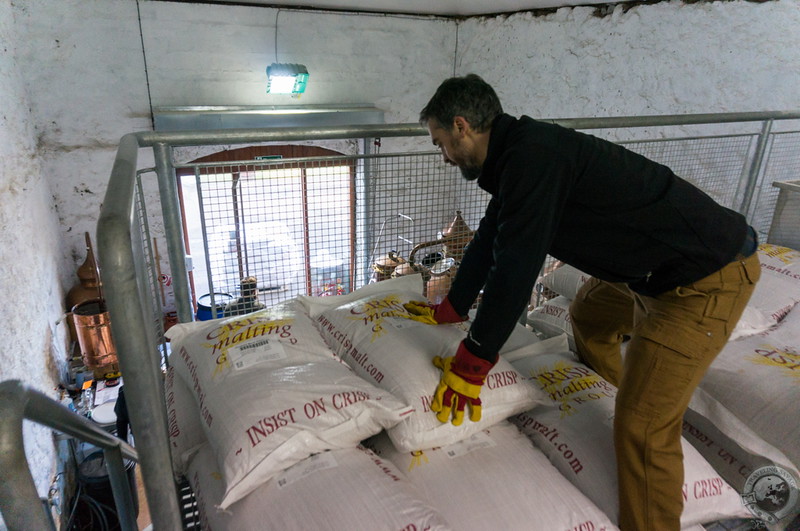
268, 157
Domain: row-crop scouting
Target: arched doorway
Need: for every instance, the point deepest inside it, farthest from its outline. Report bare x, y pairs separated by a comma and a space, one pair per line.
283, 214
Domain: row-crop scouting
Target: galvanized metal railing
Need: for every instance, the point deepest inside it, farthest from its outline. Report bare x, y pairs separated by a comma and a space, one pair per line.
18, 498
120, 256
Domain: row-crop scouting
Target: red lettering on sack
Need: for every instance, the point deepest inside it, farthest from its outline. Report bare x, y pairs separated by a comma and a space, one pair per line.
555, 311
426, 403
785, 358
547, 378
788, 272
269, 425
585, 526
501, 379
196, 387
535, 428
314, 408
174, 430
348, 398
707, 488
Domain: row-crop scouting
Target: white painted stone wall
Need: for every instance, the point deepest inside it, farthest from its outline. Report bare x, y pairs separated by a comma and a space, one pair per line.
79, 74
666, 58
33, 337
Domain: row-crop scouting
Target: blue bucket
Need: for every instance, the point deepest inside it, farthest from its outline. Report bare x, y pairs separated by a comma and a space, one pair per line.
204, 305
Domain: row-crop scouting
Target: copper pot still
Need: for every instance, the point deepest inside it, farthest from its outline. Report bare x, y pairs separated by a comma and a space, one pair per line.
384, 266
93, 328
442, 274
456, 236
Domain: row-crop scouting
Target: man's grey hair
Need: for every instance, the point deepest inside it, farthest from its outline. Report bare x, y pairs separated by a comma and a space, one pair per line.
468, 96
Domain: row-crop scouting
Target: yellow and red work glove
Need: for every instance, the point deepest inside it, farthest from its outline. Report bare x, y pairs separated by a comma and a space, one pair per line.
425, 312
463, 376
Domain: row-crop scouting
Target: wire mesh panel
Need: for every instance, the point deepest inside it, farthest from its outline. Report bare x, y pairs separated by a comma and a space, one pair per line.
151, 279
328, 225
320, 226
782, 163
414, 201
713, 164
286, 224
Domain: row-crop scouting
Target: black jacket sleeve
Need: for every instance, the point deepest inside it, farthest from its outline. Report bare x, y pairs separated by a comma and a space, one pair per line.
533, 185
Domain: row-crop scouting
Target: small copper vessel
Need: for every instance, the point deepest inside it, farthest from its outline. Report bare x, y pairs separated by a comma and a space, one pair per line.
93, 328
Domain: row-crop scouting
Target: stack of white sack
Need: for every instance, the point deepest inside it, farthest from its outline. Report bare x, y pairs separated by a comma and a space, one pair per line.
755, 381
373, 333
495, 479
574, 428
775, 295
269, 394
753, 384
350, 488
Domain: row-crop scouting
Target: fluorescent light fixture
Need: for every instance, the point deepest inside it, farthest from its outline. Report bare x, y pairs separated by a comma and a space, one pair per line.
286, 78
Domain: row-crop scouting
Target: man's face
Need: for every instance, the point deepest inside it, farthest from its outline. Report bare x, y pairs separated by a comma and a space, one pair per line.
456, 149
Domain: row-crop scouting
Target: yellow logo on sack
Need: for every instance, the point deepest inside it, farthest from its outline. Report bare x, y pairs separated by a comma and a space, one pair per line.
232, 333
373, 312
572, 385
416, 459
788, 361
784, 254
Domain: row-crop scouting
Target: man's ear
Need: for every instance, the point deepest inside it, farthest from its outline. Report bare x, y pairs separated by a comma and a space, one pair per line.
461, 125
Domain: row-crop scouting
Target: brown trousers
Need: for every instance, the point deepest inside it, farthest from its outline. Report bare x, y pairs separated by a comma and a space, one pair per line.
674, 338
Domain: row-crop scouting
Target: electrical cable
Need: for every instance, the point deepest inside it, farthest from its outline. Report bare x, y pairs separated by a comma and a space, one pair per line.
146, 73
455, 50
277, 14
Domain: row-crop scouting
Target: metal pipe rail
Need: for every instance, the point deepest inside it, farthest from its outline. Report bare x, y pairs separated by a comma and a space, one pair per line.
136, 347
18, 497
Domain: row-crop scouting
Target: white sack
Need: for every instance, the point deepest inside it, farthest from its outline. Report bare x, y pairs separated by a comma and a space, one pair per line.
575, 430
271, 393
331, 491
757, 379
495, 479
565, 281
372, 332
552, 319
776, 293
183, 417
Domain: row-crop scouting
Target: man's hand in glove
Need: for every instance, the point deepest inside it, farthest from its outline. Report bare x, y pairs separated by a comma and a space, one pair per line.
433, 313
462, 378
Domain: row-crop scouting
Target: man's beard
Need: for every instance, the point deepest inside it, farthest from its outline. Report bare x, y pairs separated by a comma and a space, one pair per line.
470, 173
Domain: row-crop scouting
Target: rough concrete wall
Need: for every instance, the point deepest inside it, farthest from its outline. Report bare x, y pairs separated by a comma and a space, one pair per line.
666, 58
34, 342
87, 87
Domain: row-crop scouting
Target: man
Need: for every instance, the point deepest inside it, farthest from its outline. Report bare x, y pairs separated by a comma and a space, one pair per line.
671, 268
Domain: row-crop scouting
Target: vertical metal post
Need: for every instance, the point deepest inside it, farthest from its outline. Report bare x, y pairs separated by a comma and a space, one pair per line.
755, 168
363, 213
121, 489
144, 388
171, 212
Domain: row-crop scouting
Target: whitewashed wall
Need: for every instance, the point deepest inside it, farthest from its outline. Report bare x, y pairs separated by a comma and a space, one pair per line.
33, 337
78, 74
666, 58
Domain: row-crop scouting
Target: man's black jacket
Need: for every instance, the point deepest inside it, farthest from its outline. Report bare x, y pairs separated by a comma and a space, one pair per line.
604, 209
